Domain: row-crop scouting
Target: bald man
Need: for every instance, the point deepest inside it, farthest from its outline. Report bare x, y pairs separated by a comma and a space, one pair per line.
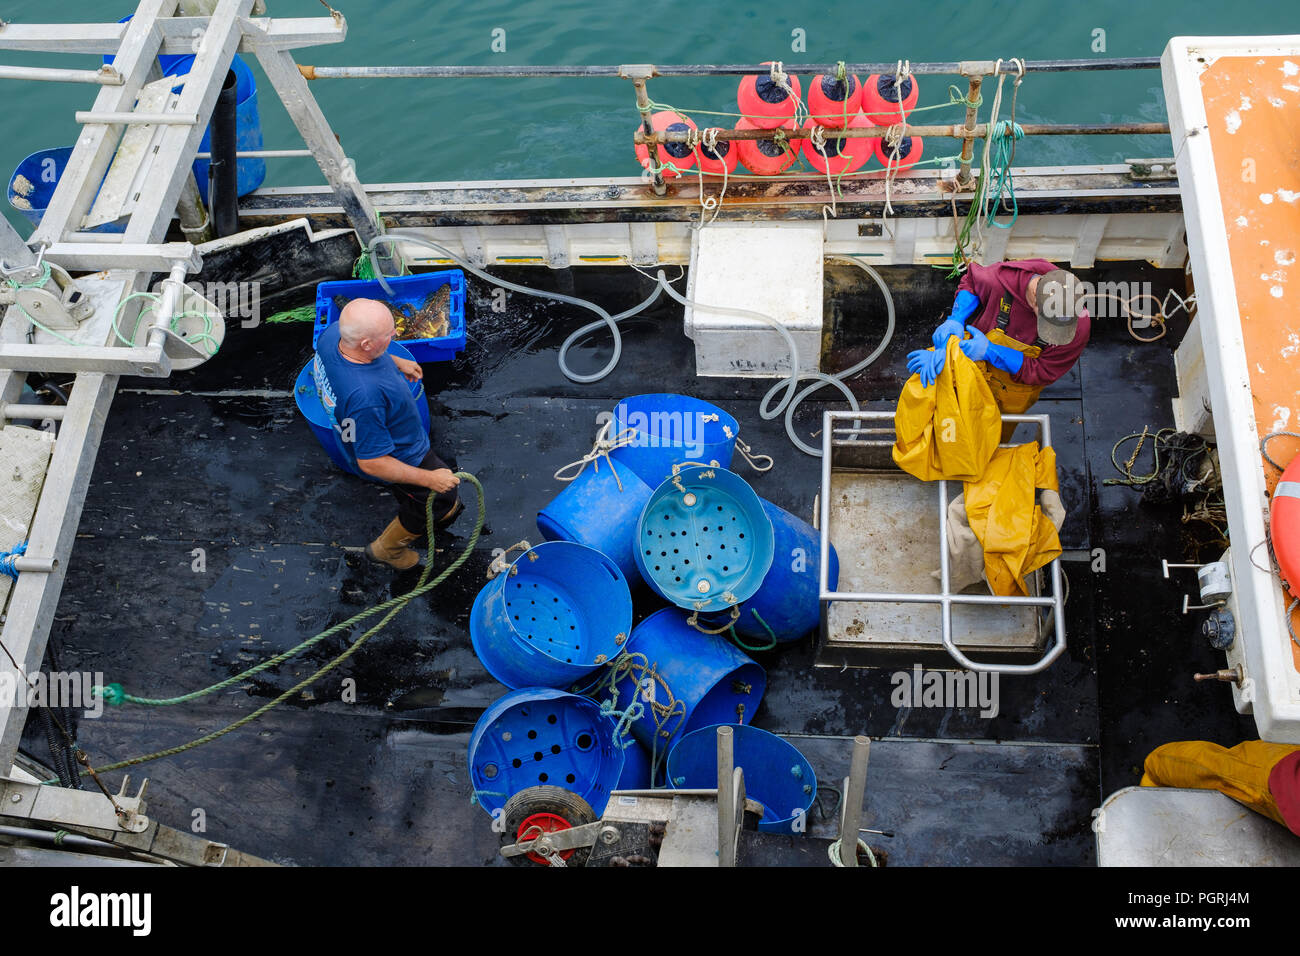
375, 409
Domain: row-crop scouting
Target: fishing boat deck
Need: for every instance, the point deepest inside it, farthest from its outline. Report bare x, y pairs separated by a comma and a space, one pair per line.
219, 459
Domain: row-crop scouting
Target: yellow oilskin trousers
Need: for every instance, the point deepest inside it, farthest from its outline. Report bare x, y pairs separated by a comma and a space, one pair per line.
1013, 398
1240, 772
1001, 507
951, 429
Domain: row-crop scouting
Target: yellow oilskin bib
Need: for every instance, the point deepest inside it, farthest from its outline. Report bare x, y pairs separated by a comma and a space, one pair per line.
1241, 772
951, 429
1013, 398
1016, 536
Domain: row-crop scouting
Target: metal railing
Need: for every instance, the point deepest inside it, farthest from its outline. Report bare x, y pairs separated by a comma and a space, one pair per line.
842, 429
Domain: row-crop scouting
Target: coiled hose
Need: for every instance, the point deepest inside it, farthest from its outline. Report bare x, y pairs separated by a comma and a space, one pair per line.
790, 383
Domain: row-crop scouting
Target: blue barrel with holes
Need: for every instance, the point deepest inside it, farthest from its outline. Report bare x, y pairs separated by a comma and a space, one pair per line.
339, 451
32, 185
704, 542
787, 605
560, 611
538, 736
685, 679
776, 774
600, 509
663, 430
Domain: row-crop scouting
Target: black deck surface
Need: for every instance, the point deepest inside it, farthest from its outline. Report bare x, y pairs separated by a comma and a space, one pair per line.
384, 780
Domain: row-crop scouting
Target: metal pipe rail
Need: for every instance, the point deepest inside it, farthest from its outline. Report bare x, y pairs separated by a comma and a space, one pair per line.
954, 131
833, 435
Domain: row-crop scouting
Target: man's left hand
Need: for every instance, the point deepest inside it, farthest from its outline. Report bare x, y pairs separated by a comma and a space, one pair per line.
409, 368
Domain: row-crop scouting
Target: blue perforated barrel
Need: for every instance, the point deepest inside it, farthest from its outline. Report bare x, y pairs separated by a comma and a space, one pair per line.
538, 736
559, 612
788, 602
686, 679
32, 185
305, 394
658, 431
776, 774
599, 509
703, 541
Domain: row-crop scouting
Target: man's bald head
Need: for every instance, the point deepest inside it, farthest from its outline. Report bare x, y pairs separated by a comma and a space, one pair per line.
365, 322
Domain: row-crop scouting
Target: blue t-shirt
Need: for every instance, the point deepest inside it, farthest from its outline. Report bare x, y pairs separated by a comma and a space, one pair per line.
377, 401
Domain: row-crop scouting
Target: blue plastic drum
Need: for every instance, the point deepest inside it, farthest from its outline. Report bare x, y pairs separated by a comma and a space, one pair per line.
666, 430
788, 603
685, 679
32, 185
703, 541
559, 612
776, 774
339, 451
537, 735
600, 511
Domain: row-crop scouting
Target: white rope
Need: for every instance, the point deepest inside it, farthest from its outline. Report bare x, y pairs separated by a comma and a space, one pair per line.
709, 140
894, 137
818, 139
778, 76
747, 453
600, 449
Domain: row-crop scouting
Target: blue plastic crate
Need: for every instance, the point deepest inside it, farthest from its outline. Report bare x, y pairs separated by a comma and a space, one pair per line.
407, 290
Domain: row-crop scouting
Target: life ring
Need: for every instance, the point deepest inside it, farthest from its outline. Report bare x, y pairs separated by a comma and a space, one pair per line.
842, 155
763, 157
679, 154
764, 103
829, 99
881, 93
904, 156
1284, 526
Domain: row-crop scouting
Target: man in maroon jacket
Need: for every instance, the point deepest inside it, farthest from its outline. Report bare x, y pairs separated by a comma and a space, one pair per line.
1027, 324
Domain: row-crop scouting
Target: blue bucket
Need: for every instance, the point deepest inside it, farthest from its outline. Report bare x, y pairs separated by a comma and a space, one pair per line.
538, 736
250, 173
703, 541
788, 602
304, 393
702, 679
559, 612
776, 774
600, 511
42, 170
666, 430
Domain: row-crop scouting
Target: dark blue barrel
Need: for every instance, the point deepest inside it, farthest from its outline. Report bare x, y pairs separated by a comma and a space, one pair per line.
31, 187
703, 541
666, 429
340, 452
788, 603
540, 736
600, 510
559, 612
636, 766
685, 679
776, 774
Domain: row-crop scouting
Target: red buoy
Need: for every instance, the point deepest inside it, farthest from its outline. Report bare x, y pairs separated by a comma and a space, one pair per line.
1284, 526
881, 95
724, 156
846, 155
831, 99
903, 156
763, 157
764, 103
679, 154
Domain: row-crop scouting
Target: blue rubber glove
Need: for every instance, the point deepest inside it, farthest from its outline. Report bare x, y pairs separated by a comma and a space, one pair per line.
964, 306
946, 331
978, 348
926, 364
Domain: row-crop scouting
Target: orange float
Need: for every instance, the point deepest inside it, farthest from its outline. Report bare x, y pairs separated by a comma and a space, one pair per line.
881, 94
903, 156
831, 99
679, 154
763, 157
846, 155
764, 103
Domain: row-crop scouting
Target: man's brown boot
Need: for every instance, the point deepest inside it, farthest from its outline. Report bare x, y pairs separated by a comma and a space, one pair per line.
391, 547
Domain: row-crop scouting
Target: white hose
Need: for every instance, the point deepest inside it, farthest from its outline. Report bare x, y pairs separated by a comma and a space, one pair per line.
788, 404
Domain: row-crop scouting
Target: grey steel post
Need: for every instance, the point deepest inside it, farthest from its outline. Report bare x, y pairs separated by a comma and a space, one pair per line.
855, 788
638, 74
726, 798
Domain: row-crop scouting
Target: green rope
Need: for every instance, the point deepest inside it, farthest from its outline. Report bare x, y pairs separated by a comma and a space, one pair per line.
771, 636
304, 313
1002, 189
1126, 469
393, 606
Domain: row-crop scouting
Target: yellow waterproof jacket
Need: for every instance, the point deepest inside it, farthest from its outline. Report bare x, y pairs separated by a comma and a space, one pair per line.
1001, 506
951, 429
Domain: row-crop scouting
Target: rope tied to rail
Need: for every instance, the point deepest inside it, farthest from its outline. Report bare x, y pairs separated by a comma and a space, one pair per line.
708, 138
392, 606
600, 449
9, 560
